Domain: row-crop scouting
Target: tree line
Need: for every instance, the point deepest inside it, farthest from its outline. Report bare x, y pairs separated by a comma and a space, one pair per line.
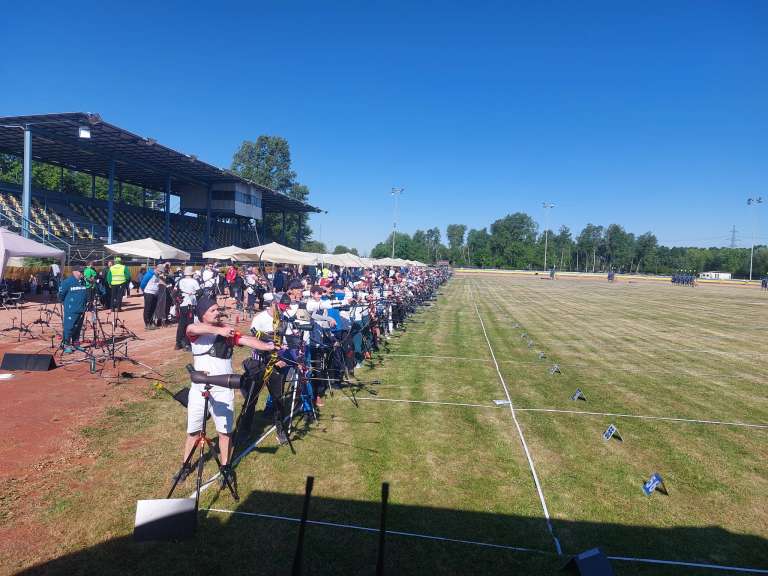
515, 242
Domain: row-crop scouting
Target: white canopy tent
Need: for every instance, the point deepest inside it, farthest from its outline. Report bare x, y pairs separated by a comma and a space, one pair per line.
347, 260
226, 253
277, 254
14, 245
148, 248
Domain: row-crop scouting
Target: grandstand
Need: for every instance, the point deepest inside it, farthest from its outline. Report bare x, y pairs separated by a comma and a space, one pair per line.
216, 207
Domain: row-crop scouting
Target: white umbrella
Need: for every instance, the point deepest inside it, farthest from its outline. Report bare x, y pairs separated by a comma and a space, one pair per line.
148, 248
278, 254
226, 253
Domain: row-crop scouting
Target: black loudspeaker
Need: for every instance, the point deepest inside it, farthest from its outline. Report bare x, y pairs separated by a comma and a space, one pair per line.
31, 362
590, 563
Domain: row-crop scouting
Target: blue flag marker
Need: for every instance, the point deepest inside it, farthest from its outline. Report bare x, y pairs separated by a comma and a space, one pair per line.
578, 395
654, 483
612, 432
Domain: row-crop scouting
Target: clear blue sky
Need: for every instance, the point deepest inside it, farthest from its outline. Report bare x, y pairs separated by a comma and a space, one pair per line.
653, 115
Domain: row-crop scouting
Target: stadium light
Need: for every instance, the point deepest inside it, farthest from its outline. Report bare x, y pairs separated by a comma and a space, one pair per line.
753, 202
84, 132
395, 194
547, 206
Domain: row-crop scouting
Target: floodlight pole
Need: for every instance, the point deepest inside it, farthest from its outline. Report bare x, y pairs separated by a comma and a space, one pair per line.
547, 206
395, 194
111, 202
26, 195
753, 202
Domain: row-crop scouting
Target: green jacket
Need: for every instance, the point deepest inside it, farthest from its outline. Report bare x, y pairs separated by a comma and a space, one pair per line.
88, 274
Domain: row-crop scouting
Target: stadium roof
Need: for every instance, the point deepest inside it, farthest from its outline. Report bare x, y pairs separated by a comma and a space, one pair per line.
139, 160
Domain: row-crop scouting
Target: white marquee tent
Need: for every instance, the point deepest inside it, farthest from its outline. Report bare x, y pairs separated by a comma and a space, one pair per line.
277, 254
148, 248
226, 253
13, 245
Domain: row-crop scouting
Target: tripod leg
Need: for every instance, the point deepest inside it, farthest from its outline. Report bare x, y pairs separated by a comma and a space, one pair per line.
200, 466
227, 479
294, 385
186, 462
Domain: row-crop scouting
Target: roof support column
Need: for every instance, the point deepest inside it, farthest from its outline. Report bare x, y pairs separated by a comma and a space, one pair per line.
144, 197
208, 196
167, 231
298, 231
282, 233
111, 202
93, 186
26, 195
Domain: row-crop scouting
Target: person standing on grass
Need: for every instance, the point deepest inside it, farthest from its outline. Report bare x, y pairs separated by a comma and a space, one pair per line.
212, 343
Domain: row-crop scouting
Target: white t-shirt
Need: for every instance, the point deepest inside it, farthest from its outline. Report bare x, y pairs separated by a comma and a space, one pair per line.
188, 287
315, 306
205, 362
209, 278
262, 322
153, 285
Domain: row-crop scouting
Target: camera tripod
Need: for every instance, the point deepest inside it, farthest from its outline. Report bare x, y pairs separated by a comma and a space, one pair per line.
201, 443
46, 314
22, 328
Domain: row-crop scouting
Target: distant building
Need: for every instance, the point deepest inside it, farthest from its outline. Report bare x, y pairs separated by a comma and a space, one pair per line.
715, 275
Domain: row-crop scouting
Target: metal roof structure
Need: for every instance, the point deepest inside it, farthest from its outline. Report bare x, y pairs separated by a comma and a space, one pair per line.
138, 160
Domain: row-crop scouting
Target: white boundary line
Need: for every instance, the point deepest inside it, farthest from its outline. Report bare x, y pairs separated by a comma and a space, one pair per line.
242, 455
389, 532
462, 358
643, 417
577, 412
519, 431
428, 402
689, 564
486, 544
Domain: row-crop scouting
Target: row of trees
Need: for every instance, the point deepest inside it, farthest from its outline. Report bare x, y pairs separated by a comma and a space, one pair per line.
516, 242
57, 179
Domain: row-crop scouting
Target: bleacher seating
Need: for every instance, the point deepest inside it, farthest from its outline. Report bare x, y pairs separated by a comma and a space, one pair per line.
80, 222
187, 233
58, 225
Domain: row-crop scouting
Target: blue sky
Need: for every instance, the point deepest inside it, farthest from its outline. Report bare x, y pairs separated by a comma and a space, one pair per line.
650, 114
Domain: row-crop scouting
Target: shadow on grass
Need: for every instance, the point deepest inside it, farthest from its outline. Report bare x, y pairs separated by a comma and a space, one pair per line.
247, 543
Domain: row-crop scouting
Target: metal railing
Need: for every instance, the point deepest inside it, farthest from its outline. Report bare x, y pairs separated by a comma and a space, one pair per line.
15, 221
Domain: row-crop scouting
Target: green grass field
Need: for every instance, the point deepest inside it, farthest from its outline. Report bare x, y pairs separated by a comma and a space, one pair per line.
454, 459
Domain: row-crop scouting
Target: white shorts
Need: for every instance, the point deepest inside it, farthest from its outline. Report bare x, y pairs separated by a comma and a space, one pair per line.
221, 407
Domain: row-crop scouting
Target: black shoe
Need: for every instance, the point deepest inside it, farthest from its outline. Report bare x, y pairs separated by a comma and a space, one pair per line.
182, 474
227, 473
282, 437
178, 347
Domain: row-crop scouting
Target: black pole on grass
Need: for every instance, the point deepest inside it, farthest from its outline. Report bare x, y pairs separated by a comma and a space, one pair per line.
382, 528
298, 557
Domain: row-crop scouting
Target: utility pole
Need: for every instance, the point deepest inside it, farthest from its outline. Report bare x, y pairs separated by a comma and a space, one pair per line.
733, 236
395, 194
547, 206
753, 202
